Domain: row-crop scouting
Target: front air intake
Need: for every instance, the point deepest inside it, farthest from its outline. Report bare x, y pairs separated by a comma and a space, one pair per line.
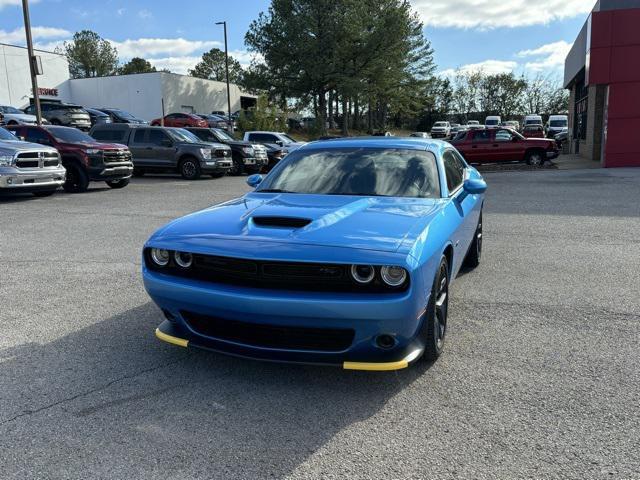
283, 222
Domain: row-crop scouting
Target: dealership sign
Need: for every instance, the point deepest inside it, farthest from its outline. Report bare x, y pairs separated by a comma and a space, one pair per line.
48, 92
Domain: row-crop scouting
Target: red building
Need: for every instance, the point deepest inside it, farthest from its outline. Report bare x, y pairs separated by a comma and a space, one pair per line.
602, 71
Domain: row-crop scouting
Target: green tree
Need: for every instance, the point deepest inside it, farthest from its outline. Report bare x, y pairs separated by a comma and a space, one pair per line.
90, 55
136, 65
212, 67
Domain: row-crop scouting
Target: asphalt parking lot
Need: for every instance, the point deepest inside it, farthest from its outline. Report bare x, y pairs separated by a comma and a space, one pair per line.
540, 378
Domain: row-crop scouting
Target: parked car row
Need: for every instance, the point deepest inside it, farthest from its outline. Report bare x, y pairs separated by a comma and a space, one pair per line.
532, 126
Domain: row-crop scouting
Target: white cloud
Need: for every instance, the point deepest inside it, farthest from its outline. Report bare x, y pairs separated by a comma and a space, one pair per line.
144, 14
17, 36
489, 67
172, 47
547, 57
13, 3
121, 11
486, 14
245, 57
175, 64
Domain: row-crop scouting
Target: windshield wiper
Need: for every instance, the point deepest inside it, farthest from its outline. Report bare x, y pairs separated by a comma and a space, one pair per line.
274, 190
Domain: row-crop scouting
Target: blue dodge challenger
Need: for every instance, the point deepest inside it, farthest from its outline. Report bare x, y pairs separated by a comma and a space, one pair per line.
342, 255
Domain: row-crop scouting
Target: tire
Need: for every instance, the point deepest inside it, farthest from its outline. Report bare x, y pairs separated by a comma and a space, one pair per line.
472, 260
138, 172
237, 168
115, 184
44, 193
77, 179
436, 316
189, 168
12, 123
536, 158
218, 175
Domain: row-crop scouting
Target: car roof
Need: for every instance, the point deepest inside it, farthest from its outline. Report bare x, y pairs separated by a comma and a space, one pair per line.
409, 143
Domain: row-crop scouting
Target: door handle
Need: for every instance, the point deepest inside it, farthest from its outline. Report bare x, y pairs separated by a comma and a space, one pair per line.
474, 146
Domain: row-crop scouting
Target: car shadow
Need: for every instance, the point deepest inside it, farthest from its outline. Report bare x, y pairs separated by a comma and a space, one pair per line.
110, 397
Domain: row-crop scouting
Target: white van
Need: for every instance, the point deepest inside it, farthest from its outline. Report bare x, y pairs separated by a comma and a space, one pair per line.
531, 120
556, 124
492, 121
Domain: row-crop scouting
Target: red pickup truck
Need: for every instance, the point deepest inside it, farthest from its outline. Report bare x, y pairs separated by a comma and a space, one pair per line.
503, 145
181, 120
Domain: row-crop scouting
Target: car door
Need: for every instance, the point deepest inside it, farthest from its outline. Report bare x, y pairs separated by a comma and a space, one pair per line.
462, 206
480, 149
505, 145
162, 148
141, 152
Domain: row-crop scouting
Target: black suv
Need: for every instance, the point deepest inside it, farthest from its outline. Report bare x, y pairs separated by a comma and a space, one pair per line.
120, 116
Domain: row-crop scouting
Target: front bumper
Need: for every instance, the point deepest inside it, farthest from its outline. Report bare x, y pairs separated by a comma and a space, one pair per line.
216, 165
31, 179
111, 171
439, 134
399, 315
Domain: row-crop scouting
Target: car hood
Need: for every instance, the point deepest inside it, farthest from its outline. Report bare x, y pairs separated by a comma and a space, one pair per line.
19, 146
366, 223
96, 144
21, 117
221, 146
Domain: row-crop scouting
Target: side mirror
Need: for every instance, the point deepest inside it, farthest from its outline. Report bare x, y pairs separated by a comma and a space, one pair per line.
254, 180
474, 186
279, 142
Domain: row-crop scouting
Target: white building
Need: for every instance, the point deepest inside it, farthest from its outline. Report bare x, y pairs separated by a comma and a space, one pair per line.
140, 94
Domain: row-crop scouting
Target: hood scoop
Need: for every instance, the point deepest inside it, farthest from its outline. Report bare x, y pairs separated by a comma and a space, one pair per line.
280, 222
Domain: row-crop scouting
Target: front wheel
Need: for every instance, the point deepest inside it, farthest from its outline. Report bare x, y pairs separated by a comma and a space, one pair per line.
123, 182
237, 168
77, 179
190, 168
535, 159
436, 314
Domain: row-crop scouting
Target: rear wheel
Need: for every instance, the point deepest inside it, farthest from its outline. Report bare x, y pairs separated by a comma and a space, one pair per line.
190, 168
123, 182
472, 260
436, 315
238, 167
535, 158
77, 179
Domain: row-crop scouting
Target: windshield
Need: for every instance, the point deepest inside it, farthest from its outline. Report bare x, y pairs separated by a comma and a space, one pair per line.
6, 135
287, 138
223, 135
357, 171
440, 124
9, 110
182, 135
123, 114
558, 123
70, 135
491, 122
473, 122
533, 121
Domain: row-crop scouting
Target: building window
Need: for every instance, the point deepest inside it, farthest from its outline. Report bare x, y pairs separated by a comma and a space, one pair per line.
581, 104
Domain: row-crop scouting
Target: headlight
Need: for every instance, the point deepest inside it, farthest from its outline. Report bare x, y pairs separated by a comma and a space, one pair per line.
183, 259
160, 256
363, 273
93, 151
206, 153
248, 150
393, 276
6, 160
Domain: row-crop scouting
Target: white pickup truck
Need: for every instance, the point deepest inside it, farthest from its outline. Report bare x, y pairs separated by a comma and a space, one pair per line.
28, 167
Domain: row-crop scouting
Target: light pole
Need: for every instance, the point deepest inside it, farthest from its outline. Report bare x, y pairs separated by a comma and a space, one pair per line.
226, 61
32, 60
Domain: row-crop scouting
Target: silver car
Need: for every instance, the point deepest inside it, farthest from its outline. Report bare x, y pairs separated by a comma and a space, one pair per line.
64, 114
28, 167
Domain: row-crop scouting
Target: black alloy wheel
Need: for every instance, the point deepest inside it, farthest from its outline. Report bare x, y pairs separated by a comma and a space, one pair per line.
190, 168
436, 315
77, 180
120, 183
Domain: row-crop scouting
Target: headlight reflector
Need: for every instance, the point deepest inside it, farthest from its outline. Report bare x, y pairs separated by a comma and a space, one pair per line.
363, 273
206, 153
393, 276
6, 160
183, 259
93, 151
160, 256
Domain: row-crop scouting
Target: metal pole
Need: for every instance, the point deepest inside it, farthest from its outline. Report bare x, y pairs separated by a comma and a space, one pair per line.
226, 60
32, 60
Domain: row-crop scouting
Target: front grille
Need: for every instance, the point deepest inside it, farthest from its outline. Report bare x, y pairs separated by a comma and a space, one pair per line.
116, 156
27, 163
32, 159
270, 336
273, 275
221, 153
25, 155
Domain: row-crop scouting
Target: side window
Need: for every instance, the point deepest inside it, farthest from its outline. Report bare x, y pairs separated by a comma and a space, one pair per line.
139, 136
262, 137
454, 170
503, 135
37, 136
157, 136
172, 115
481, 135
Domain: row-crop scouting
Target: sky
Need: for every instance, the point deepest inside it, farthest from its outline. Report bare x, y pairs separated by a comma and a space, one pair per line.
528, 37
